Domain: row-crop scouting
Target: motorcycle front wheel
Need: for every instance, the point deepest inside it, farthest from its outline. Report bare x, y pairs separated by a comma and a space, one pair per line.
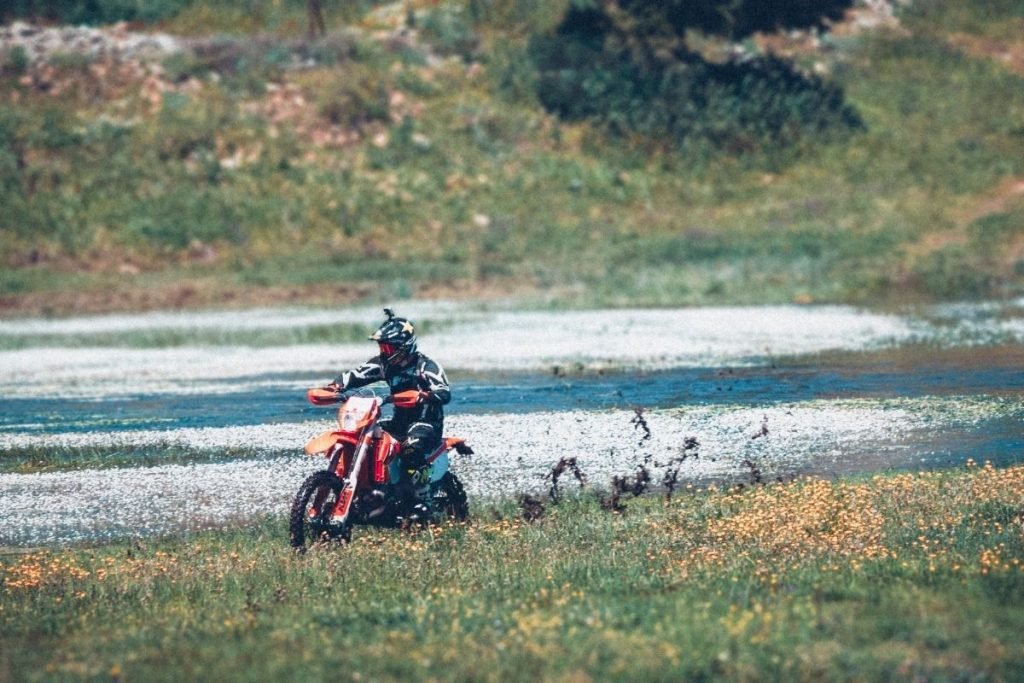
309, 522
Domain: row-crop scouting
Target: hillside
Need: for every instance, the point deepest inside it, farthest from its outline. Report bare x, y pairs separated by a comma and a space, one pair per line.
207, 157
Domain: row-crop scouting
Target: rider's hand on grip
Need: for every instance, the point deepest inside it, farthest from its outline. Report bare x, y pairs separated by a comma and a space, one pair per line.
408, 399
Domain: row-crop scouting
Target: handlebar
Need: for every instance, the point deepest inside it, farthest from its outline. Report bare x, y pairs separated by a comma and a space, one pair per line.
322, 396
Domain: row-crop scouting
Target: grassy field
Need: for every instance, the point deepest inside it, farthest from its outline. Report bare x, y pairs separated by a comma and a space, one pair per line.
32, 459
162, 338
909, 576
384, 171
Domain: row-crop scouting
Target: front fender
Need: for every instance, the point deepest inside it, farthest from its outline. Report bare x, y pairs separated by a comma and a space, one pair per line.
322, 443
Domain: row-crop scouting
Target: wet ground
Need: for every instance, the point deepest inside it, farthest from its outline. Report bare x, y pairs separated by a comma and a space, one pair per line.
767, 392
274, 398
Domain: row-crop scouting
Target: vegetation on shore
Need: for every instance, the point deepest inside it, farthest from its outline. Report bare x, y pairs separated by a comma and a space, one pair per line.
373, 163
163, 338
37, 459
897, 576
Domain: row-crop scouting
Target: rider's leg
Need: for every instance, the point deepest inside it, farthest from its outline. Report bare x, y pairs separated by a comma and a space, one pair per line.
396, 430
419, 441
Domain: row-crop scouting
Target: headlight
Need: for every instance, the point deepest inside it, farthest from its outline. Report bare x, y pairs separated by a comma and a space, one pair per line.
349, 421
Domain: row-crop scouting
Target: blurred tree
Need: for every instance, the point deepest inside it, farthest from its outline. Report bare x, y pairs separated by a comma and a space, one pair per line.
90, 11
315, 13
633, 65
734, 19
657, 30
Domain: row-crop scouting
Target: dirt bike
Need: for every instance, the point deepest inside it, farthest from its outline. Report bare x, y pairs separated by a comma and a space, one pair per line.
359, 485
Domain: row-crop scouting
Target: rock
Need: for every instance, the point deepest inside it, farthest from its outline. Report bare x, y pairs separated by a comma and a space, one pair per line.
40, 44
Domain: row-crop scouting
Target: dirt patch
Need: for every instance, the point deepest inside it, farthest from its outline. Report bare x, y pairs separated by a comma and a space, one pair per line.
1007, 52
176, 296
1001, 198
1004, 197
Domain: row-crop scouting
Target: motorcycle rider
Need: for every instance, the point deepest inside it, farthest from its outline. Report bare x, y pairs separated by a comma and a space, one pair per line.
419, 429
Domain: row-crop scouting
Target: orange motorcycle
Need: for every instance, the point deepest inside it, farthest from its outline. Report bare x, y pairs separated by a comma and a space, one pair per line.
359, 484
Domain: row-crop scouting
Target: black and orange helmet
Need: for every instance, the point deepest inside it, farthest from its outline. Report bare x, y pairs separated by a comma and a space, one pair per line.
396, 338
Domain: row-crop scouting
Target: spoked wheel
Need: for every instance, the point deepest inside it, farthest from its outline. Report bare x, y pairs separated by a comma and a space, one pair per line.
311, 510
450, 501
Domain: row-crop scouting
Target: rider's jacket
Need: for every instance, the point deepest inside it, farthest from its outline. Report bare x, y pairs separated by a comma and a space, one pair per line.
420, 373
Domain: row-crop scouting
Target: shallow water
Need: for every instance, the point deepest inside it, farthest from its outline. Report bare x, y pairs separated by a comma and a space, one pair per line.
514, 453
779, 390
275, 398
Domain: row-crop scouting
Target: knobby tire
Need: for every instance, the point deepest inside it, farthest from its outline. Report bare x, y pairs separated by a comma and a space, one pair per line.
301, 528
450, 499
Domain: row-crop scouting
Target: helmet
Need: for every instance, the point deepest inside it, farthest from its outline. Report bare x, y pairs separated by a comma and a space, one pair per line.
396, 338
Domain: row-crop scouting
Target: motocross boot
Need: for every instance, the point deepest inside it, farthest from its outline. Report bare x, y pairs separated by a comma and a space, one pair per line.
415, 489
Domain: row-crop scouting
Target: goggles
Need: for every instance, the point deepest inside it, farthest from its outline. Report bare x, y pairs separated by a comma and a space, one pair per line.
388, 350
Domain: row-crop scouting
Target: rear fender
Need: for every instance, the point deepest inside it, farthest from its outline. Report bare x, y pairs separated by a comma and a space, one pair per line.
460, 445
439, 461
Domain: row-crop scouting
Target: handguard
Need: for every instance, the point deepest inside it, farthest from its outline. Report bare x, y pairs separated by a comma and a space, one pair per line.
323, 397
407, 399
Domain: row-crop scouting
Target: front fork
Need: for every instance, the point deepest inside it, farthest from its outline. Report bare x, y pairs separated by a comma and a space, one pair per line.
316, 509
348, 490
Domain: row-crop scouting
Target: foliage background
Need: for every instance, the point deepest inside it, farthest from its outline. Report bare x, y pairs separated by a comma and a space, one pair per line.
391, 157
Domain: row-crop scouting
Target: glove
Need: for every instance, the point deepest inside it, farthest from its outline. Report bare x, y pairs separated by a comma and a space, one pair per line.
342, 395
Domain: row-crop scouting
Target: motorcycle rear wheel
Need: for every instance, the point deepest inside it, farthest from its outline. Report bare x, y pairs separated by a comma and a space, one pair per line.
309, 522
450, 501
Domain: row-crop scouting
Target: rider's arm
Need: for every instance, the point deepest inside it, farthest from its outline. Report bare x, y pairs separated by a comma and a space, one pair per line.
369, 372
437, 383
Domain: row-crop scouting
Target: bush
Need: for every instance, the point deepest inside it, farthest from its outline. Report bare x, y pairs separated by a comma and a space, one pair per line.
15, 62
516, 15
737, 107
354, 97
993, 232
94, 11
32, 174
953, 272
742, 106
448, 32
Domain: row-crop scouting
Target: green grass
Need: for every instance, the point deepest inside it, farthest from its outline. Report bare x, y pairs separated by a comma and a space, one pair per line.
463, 181
168, 338
36, 459
895, 577
171, 337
